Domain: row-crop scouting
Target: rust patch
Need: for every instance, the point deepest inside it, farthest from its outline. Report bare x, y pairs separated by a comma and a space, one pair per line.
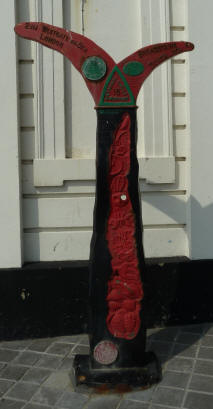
81, 378
107, 389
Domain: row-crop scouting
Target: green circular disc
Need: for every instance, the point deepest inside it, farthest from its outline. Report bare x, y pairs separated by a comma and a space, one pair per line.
94, 68
133, 68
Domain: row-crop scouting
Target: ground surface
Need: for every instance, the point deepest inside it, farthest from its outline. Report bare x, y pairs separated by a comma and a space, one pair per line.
34, 374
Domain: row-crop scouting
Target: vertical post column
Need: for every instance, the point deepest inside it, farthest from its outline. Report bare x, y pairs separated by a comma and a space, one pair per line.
117, 271
10, 201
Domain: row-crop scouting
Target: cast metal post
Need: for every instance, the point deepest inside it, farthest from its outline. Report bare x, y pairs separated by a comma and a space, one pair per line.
117, 268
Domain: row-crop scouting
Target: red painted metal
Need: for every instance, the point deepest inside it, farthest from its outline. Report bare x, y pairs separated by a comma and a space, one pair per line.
74, 46
152, 56
78, 48
125, 289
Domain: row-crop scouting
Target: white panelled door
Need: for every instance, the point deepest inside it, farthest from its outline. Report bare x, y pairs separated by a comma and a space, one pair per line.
65, 140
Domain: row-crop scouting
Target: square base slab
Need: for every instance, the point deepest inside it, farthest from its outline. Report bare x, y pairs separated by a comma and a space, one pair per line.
119, 379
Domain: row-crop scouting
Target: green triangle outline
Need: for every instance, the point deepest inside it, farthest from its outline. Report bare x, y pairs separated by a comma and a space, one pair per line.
128, 89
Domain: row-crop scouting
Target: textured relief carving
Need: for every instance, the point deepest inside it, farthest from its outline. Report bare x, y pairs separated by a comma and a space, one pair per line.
124, 287
116, 90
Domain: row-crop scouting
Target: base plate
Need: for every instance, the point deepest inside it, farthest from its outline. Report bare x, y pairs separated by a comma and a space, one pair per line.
116, 378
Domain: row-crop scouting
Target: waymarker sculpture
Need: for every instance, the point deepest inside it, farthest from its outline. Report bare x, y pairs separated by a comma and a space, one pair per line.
117, 271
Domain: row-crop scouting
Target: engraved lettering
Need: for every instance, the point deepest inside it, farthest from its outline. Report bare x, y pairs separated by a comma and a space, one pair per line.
156, 49
55, 33
51, 41
116, 91
79, 45
158, 60
30, 26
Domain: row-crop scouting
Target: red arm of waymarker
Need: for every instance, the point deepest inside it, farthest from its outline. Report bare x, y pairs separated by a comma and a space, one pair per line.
150, 57
75, 47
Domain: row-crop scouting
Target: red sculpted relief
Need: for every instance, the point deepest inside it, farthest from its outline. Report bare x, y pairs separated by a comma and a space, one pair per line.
124, 287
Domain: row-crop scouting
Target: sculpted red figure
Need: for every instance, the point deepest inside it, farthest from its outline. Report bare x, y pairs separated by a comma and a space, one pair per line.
117, 271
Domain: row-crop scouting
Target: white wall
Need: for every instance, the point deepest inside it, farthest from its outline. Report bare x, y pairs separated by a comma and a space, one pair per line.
10, 220
201, 111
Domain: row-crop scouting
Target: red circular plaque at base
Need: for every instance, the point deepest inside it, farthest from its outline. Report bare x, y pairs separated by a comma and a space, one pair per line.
105, 352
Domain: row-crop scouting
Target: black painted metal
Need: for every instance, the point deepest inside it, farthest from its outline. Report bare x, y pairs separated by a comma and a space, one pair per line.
84, 374
131, 353
57, 301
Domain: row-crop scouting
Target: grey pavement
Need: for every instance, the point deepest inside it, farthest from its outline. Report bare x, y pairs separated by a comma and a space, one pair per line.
34, 374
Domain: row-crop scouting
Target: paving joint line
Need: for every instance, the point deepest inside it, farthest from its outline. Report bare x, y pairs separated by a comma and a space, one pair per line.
170, 356
192, 371
164, 365
171, 353
13, 399
42, 383
122, 397
15, 382
201, 392
167, 406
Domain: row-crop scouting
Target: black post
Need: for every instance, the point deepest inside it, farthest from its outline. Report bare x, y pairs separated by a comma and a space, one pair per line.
117, 358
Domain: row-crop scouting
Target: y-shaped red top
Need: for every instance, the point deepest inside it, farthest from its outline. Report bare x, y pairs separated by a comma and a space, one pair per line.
110, 84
